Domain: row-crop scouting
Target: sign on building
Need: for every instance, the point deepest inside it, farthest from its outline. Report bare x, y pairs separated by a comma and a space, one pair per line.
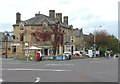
15, 44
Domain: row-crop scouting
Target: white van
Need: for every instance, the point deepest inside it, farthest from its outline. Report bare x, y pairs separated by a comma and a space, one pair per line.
67, 54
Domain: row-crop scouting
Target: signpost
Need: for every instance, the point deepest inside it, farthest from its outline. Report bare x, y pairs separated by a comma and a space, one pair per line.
27, 51
67, 46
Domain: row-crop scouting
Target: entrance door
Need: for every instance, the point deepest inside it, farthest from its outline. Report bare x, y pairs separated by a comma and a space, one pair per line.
72, 49
45, 51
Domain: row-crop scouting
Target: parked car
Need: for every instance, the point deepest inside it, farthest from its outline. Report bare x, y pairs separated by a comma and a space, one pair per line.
77, 53
68, 55
4, 53
116, 55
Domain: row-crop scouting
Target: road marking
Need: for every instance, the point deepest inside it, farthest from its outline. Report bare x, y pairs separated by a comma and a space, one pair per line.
95, 62
59, 64
1, 80
61, 70
23, 69
37, 79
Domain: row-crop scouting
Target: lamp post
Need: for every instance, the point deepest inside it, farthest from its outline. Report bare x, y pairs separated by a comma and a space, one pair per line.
84, 46
94, 44
118, 45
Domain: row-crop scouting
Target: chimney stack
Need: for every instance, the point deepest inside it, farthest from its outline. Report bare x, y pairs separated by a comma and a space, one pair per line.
37, 14
52, 14
65, 20
18, 17
59, 17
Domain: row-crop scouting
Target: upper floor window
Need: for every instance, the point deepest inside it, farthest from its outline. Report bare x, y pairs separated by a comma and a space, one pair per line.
21, 26
13, 49
45, 25
22, 37
13, 36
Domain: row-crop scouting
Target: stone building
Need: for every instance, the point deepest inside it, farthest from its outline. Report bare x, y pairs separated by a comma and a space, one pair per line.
25, 34
2, 43
6, 41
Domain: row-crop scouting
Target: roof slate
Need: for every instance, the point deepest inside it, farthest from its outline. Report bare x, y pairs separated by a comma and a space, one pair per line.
39, 18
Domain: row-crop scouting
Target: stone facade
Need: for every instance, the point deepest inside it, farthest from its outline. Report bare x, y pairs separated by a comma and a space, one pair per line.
6, 40
25, 34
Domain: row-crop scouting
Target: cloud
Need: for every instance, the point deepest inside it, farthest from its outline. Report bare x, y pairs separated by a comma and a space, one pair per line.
6, 27
110, 26
82, 13
64, 2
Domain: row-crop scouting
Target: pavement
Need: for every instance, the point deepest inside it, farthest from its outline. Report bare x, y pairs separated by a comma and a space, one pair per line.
78, 70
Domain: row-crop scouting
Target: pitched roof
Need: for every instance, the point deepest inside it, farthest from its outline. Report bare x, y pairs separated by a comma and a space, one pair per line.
77, 32
39, 18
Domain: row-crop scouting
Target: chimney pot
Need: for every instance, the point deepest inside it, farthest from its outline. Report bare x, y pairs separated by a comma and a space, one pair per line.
37, 14
59, 17
18, 17
52, 14
65, 20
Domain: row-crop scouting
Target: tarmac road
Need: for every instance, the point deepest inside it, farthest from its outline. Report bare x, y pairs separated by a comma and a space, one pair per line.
78, 70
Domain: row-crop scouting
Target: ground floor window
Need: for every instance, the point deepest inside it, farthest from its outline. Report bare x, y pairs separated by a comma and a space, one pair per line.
45, 51
72, 49
14, 49
58, 50
76, 47
63, 49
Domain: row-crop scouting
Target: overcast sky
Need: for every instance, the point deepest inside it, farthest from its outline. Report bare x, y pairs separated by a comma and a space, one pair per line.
86, 14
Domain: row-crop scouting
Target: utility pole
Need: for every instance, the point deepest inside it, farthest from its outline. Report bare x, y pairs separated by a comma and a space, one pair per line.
118, 45
94, 45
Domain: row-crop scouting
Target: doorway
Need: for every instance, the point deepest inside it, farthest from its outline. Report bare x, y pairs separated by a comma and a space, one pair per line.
72, 49
45, 51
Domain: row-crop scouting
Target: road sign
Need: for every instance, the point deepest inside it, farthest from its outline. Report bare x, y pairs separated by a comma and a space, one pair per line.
67, 44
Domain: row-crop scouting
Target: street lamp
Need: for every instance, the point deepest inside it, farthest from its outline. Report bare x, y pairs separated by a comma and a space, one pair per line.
84, 46
94, 44
118, 45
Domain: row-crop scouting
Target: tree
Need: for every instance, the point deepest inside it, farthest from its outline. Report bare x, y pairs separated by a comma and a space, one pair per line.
103, 41
56, 32
114, 44
58, 37
43, 36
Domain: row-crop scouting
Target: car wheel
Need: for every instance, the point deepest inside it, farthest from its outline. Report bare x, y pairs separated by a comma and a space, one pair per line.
66, 57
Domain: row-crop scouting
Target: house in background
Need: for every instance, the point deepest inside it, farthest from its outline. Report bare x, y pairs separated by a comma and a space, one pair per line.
2, 43
6, 40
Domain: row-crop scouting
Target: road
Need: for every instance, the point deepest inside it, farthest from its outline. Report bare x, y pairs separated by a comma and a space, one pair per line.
78, 70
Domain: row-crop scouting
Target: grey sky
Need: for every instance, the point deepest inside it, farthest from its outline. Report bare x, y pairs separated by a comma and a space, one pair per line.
86, 14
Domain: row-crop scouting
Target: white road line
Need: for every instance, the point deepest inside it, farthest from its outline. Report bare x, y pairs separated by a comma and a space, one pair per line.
61, 70
1, 80
37, 79
59, 64
23, 69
